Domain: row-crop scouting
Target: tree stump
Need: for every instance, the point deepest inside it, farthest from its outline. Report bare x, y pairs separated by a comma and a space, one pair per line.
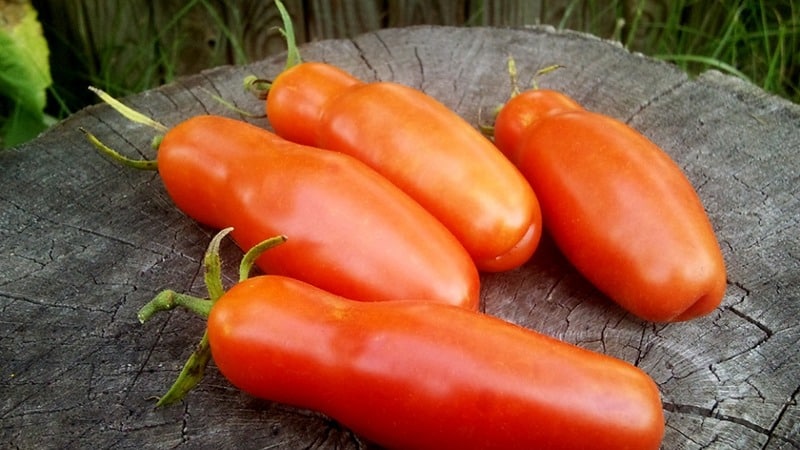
85, 243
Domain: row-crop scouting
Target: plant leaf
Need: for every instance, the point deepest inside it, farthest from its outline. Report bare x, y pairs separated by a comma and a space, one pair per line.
24, 72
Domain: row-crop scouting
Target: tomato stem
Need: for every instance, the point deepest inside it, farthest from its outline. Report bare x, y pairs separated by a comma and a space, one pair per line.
257, 86
168, 299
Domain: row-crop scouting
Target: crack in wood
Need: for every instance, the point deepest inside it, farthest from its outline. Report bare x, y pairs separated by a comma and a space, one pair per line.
666, 92
362, 54
740, 363
764, 328
790, 402
711, 413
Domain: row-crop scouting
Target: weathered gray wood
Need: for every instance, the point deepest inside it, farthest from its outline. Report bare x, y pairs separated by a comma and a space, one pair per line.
85, 243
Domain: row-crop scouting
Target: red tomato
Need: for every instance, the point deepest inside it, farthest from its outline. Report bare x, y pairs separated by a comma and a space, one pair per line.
616, 205
419, 375
421, 146
350, 231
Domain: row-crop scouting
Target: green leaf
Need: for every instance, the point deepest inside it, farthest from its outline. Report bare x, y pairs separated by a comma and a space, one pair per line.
24, 73
20, 126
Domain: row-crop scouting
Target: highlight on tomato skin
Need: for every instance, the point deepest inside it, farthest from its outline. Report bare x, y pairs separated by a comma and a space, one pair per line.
618, 207
411, 374
420, 145
349, 230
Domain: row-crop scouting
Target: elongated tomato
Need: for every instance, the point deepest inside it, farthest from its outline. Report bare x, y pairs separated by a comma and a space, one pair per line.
421, 146
419, 375
350, 231
616, 205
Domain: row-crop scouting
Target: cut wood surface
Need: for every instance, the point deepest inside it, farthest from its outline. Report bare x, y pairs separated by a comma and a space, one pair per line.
86, 242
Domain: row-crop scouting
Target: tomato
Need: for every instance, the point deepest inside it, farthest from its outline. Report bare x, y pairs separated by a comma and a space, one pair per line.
422, 375
350, 231
616, 205
421, 146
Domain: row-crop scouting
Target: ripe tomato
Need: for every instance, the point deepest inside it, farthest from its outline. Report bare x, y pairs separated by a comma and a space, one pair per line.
421, 375
421, 146
616, 205
350, 231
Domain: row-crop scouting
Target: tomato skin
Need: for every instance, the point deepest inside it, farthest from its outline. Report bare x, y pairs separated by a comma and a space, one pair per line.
350, 231
619, 209
300, 123
515, 117
420, 375
421, 146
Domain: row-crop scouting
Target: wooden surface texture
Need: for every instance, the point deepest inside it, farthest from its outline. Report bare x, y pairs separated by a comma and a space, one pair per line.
85, 243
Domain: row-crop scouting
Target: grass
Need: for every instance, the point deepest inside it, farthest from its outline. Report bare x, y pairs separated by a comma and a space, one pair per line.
123, 58
756, 40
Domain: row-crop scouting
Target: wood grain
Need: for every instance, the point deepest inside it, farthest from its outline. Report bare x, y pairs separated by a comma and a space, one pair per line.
85, 243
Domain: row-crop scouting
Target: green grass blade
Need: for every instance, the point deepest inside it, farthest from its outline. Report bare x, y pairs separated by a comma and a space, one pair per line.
705, 60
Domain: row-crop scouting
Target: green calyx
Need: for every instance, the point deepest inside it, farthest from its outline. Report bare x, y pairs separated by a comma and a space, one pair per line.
259, 86
129, 113
141, 164
194, 368
487, 129
134, 116
292, 52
